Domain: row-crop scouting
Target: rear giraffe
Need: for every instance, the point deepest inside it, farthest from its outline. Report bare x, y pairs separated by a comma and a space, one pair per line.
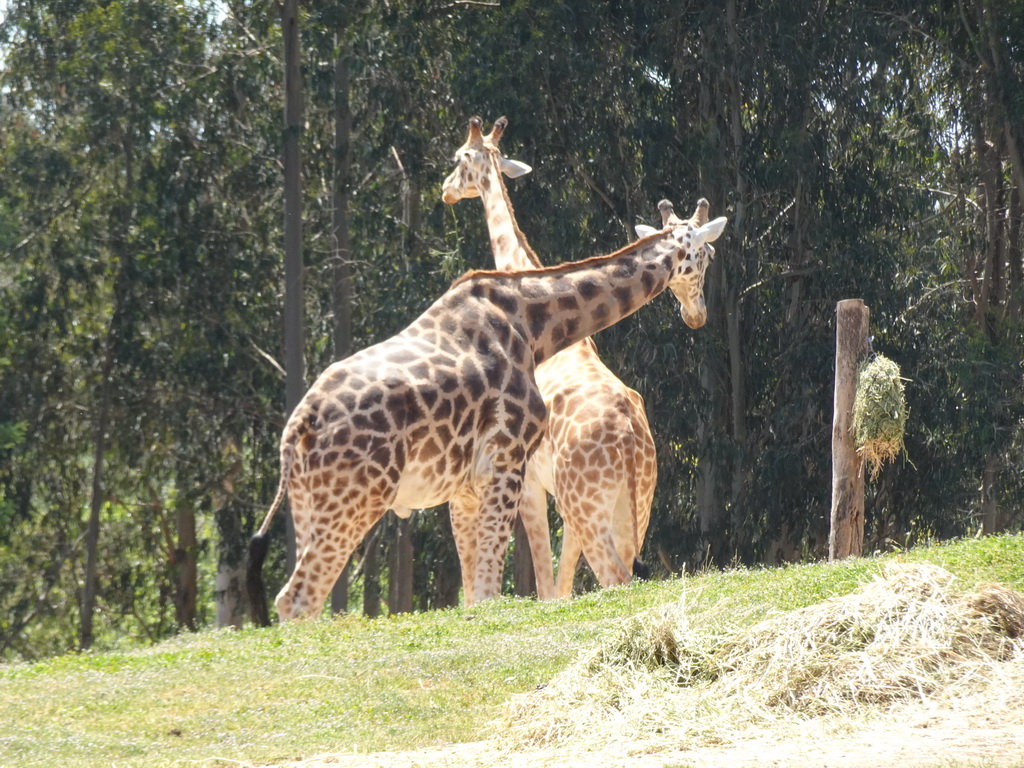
597, 457
450, 405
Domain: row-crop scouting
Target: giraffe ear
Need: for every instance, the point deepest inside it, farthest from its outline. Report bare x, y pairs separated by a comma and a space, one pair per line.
642, 231
513, 168
710, 231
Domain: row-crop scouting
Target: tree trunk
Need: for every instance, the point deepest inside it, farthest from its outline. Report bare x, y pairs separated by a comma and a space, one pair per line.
92, 534
401, 561
846, 538
401, 568
229, 586
122, 222
991, 521
295, 384
447, 577
229, 596
341, 294
371, 571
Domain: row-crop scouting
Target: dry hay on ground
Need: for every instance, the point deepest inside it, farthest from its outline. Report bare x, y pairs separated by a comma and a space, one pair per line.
909, 636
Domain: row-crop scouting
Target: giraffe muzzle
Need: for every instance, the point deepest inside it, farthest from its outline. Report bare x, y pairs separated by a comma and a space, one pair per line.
696, 318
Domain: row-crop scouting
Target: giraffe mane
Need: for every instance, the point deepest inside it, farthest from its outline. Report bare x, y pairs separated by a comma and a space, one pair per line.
520, 235
558, 269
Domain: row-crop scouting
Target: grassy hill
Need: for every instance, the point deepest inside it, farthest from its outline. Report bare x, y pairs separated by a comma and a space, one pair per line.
262, 696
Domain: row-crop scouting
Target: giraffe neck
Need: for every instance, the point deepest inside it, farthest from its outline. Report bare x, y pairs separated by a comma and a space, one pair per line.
555, 307
512, 252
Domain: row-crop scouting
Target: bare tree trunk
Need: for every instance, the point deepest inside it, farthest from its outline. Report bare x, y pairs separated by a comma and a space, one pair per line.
371, 570
447, 576
295, 383
229, 584
92, 534
105, 396
401, 571
401, 562
991, 521
710, 505
341, 294
846, 538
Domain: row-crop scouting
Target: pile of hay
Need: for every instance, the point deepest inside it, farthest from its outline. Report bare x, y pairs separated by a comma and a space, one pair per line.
669, 676
879, 412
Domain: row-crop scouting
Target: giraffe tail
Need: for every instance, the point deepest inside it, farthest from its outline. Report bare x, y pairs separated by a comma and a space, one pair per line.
260, 543
641, 497
641, 570
254, 586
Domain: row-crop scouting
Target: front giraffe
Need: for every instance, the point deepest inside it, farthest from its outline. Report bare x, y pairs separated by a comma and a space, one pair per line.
598, 457
448, 406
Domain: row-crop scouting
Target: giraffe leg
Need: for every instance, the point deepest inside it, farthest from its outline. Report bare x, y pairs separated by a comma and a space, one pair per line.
624, 526
498, 509
533, 509
567, 561
591, 519
464, 509
328, 544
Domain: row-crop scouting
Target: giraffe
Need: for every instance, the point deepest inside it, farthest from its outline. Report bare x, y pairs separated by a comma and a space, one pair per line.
598, 457
449, 408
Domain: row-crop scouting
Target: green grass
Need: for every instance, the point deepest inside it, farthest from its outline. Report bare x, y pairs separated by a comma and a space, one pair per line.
392, 683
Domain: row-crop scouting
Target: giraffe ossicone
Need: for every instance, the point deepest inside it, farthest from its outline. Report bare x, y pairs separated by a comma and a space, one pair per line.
448, 408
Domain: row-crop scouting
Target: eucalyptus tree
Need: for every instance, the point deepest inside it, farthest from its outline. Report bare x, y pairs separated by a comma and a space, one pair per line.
140, 165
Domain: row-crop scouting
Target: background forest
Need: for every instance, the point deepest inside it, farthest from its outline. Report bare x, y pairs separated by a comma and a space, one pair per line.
860, 149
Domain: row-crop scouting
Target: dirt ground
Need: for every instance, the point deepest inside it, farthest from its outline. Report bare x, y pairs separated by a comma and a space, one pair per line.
967, 734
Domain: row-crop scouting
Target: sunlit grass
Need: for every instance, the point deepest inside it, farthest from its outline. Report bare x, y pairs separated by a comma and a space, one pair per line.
390, 683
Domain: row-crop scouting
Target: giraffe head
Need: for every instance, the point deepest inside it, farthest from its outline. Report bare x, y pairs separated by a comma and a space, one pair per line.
694, 238
473, 160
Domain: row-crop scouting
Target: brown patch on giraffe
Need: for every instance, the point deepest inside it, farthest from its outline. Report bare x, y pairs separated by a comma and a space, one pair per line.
495, 371
428, 450
503, 300
516, 386
487, 415
537, 316
381, 457
558, 334
420, 370
472, 380
649, 283
444, 410
588, 289
448, 383
518, 351
568, 304
624, 270
379, 422
514, 416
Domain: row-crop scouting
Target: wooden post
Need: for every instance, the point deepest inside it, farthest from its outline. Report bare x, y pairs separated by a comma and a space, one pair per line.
846, 537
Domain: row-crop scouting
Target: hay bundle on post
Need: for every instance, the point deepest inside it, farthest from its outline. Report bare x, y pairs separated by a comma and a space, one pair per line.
879, 412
